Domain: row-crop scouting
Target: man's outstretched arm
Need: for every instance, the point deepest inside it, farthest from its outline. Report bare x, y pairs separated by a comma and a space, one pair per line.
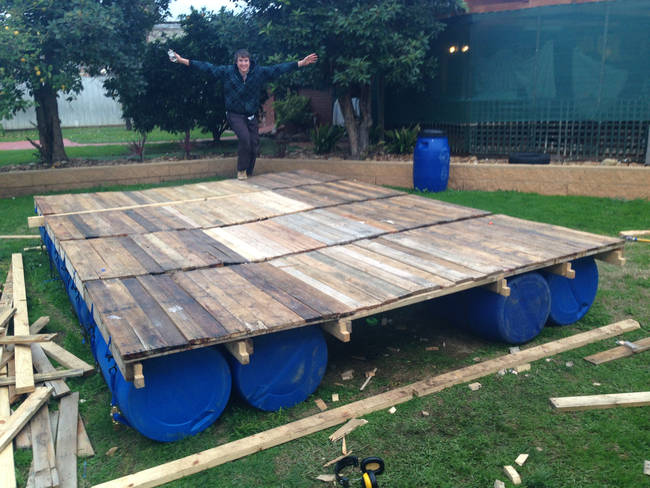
174, 57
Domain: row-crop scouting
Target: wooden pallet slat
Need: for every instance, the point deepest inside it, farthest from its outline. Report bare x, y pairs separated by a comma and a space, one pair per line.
22, 353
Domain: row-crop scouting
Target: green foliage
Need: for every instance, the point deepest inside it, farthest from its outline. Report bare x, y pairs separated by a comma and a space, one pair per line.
44, 45
294, 110
325, 137
358, 42
402, 140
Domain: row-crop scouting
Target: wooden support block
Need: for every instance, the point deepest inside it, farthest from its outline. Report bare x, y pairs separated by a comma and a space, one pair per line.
45, 472
22, 354
23, 414
7, 470
322, 406
241, 350
43, 365
66, 441
591, 402
65, 358
474, 386
39, 325
562, 269
57, 374
84, 446
521, 459
499, 484
6, 315
196, 463
341, 329
646, 467
26, 339
512, 474
500, 286
35, 221
522, 367
138, 376
347, 428
612, 257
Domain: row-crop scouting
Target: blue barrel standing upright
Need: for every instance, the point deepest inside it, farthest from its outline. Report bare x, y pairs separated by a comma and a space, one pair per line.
431, 161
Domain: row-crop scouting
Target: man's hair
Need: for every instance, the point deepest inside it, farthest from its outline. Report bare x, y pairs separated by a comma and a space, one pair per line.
242, 53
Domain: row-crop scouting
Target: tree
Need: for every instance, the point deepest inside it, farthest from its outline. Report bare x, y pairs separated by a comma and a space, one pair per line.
158, 93
44, 44
360, 43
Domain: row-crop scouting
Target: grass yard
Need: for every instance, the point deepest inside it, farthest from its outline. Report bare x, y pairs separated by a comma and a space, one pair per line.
103, 134
468, 436
158, 150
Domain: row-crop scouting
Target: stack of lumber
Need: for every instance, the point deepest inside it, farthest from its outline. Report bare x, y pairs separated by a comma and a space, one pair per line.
55, 433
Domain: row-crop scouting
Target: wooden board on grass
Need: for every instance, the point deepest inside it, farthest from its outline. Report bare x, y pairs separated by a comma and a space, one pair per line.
66, 440
44, 460
22, 353
591, 402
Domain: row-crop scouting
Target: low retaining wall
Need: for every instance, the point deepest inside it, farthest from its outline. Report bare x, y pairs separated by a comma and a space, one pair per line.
612, 182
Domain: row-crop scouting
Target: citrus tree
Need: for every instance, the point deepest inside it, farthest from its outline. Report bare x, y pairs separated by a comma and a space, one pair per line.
45, 44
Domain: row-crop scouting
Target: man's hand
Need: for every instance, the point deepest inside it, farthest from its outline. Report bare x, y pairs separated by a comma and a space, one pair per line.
312, 58
180, 59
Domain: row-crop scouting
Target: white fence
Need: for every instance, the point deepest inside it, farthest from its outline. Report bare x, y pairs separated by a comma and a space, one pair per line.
91, 108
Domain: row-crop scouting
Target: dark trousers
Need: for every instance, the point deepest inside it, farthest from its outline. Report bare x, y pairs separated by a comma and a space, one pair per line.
249, 140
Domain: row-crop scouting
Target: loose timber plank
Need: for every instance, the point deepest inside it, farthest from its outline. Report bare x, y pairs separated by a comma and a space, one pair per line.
7, 469
43, 365
616, 353
66, 441
57, 374
44, 460
84, 446
39, 324
22, 353
66, 358
592, 402
216, 456
23, 414
26, 339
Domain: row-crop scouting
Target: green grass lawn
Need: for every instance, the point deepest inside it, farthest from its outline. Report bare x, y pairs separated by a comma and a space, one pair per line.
468, 436
152, 151
104, 134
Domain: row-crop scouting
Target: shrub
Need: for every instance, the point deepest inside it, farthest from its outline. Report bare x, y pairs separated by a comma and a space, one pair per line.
294, 111
325, 137
402, 141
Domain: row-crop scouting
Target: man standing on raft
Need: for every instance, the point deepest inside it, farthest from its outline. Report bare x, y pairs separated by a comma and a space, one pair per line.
242, 86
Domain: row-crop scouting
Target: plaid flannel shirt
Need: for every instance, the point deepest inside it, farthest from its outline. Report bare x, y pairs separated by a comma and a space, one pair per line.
243, 97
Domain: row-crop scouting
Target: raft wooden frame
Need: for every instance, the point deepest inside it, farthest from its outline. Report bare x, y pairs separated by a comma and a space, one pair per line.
297, 249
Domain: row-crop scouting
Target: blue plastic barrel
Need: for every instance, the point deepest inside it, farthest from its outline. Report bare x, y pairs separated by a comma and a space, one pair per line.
515, 319
284, 369
184, 393
431, 161
572, 298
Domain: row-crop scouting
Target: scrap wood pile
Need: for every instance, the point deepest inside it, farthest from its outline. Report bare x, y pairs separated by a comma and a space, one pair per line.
28, 384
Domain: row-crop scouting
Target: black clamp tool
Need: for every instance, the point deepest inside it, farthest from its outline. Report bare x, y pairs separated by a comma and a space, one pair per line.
370, 467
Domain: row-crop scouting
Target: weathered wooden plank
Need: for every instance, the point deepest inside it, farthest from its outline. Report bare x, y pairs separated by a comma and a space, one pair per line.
44, 459
592, 402
65, 358
616, 353
201, 292
216, 456
26, 339
43, 365
84, 446
192, 320
302, 299
7, 470
7, 297
5, 316
22, 353
23, 414
44, 377
66, 441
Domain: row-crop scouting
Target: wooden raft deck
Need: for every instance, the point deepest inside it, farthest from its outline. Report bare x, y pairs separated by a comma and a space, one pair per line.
170, 269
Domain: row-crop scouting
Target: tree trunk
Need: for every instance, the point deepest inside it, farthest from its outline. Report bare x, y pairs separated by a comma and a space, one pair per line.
381, 107
358, 127
49, 126
186, 144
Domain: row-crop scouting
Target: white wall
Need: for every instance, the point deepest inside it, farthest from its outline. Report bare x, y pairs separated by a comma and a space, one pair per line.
91, 108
